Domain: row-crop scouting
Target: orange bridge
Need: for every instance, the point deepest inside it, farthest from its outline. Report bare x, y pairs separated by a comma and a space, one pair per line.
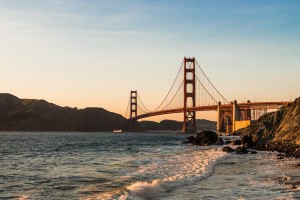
192, 91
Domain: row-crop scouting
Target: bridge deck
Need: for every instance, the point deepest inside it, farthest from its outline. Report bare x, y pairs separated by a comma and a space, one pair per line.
254, 105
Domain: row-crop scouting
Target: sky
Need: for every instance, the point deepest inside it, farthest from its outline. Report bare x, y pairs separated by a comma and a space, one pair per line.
91, 53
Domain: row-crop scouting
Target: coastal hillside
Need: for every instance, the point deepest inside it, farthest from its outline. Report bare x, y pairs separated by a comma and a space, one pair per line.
39, 115
202, 124
277, 130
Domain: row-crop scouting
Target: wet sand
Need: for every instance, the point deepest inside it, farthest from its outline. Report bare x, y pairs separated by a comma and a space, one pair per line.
252, 176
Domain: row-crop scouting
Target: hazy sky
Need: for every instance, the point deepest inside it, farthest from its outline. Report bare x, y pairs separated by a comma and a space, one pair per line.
93, 52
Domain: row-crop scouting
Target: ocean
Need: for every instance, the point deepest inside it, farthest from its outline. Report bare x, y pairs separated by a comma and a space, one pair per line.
80, 165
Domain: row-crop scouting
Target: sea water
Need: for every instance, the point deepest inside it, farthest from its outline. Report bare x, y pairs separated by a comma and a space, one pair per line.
74, 165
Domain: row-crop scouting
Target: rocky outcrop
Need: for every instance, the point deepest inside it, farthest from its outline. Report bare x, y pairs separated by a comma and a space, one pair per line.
207, 137
228, 149
241, 150
276, 131
246, 140
238, 150
204, 138
220, 141
236, 142
39, 115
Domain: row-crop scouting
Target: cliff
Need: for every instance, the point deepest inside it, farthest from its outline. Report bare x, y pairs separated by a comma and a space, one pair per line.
39, 115
278, 130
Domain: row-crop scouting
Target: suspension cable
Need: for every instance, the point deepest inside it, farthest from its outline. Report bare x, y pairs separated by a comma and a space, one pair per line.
143, 103
211, 83
170, 88
205, 88
127, 107
173, 96
141, 109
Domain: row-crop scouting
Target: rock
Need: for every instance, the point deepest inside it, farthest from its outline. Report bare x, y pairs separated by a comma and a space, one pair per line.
186, 142
228, 149
280, 155
253, 152
241, 150
203, 138
220, 141
207, 137
276, 131
189, 140
227, 142
246, 140
235, 142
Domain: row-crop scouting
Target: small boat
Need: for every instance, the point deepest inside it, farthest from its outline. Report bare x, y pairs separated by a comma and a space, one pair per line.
118, 131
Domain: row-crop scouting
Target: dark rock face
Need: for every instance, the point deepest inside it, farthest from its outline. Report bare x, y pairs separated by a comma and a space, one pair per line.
190, 140
288, 148
247, 141
220, 141
204, 138
207, 137
39, 115
241, 150
228, 149
276, 131
236, 142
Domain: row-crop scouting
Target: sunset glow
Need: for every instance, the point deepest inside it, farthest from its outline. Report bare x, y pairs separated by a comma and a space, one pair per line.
92, 53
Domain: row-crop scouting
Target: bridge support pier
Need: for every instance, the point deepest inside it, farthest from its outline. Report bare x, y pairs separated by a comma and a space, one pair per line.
235, 114
133, 110
219, 117
189, 117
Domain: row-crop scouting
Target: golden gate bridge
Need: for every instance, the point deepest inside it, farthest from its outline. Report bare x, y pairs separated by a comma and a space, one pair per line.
192, 91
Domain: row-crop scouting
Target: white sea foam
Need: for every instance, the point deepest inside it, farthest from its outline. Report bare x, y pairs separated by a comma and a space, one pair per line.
175, 171
165, 173
24, 197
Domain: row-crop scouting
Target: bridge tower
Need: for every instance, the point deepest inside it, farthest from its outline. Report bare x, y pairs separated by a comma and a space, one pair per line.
189, 98
133, 110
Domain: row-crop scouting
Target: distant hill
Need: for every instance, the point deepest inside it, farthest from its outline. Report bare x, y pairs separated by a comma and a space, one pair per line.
202, 124
39, 115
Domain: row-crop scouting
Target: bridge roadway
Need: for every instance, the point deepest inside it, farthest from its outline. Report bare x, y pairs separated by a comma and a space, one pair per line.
241, 106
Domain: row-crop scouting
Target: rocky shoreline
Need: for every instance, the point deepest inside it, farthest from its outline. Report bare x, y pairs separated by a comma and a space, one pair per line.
246, 144
277, 131
286, 149
207, 138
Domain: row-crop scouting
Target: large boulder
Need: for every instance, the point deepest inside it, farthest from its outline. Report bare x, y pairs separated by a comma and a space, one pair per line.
241, 150
206, 138
228, 149
203, 138
190, 140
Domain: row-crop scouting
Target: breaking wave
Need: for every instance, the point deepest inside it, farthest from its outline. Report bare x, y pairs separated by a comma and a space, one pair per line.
166, 173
